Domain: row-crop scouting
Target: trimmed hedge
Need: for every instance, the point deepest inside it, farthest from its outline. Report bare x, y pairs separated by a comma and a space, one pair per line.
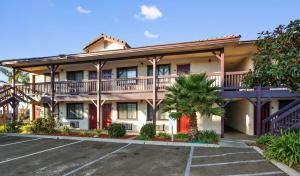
116, 130
148, 131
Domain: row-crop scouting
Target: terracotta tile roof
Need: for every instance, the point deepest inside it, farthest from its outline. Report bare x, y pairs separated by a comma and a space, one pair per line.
107, 37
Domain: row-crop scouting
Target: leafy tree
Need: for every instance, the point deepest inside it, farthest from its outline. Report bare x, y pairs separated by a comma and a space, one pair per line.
277, 61
191, 95
20, 76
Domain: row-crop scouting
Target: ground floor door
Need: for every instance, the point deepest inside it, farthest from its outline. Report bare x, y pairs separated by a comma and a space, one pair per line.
265, 112
93, 116
106, 115
183, 124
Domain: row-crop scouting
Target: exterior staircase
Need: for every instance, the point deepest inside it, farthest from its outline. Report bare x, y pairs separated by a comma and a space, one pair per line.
285, 119
7, 96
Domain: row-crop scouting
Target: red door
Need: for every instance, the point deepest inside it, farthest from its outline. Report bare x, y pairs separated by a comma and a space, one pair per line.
106, 115
93, 116
183, 124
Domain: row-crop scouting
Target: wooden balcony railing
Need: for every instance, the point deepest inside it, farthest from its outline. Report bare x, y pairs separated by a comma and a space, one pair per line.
232, 80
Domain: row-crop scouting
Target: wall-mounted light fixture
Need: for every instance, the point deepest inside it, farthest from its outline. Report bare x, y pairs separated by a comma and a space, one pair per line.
209, 60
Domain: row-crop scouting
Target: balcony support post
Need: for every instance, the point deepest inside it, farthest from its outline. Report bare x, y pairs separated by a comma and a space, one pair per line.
99, 67
221, 57
14, 103
258, 111
52, 68
154, 104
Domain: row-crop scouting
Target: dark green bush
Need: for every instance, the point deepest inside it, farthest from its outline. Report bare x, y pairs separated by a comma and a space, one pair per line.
13, 126
116, 130
148, 131
264, 140
209, 136
181, 136
65, 130
163, 135
285, 148
43, 125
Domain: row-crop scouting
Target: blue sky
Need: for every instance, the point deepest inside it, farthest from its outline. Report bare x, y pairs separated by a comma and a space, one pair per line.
49, 27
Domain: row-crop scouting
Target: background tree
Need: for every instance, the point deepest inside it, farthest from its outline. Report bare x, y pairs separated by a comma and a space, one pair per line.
21, 77
277, 61
191, 95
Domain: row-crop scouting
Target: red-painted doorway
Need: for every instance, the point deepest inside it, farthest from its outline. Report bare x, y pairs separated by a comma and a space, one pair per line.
183, 124
93, 116
106, 115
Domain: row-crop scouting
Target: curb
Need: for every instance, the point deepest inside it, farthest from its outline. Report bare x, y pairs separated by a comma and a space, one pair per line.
281, 166
116, 140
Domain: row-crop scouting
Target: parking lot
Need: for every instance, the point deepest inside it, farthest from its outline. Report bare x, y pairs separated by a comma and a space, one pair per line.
35, 156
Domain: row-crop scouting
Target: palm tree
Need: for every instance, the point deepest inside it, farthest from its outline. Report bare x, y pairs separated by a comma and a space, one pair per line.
20, 76
191, 95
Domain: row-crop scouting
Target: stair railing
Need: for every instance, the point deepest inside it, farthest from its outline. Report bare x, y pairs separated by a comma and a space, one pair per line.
266, 123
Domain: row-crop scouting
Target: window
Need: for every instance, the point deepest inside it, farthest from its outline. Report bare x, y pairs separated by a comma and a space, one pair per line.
106, 74
48, 77
159, 114
74, 111
160, 70
75, 75
92, 75
127, 110
127, 72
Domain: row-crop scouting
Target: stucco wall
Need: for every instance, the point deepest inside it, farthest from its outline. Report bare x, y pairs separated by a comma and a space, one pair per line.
240, 116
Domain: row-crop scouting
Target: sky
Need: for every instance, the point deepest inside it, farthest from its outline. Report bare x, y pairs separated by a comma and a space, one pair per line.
33, 28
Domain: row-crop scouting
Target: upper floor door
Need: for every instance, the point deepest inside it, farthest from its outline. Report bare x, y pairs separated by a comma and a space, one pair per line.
183, 69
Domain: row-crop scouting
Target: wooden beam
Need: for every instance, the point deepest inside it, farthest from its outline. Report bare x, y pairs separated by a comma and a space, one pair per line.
258, 111
14, 93
103, 102
99, 92
221, 57
148, 101
154, 89
159, 102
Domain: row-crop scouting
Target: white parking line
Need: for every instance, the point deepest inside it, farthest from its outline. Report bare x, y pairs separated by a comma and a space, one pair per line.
94, 161
188, 164
258, 174
3, 145
225, 154
233, 162
24, 156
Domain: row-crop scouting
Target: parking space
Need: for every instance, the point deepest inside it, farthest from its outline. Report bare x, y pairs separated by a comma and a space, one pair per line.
228, 161
34, 156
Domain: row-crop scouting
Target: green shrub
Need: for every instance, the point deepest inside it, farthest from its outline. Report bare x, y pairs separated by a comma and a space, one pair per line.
96, 132
3, 128
142, 137
164, 135
148, 131
26, 128
83, 132
116, 130
181, 136
43, 125
209, 136
13, 127
65, 130
264, 140
49, 125
285, 148
37, 126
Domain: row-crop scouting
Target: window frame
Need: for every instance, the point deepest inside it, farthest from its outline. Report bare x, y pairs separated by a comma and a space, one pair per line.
74, 72
68, 114
150, 67
136, 110
158, 113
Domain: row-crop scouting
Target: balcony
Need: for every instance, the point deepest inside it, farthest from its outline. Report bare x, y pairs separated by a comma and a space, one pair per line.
232, 81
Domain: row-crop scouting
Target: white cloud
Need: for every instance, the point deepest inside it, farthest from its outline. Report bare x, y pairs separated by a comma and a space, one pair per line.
83, 10
149, 13
150, 35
